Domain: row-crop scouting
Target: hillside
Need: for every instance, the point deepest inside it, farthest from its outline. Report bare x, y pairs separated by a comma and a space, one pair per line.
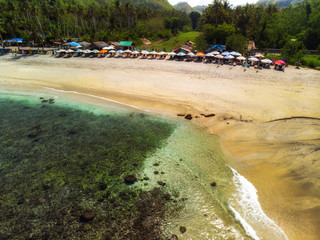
154, 4
200, 8
184, 7
281, 3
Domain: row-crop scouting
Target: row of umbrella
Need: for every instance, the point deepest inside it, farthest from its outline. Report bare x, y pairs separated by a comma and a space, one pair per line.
224, 55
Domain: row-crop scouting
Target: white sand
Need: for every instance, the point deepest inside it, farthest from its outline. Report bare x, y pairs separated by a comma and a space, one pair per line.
280, 158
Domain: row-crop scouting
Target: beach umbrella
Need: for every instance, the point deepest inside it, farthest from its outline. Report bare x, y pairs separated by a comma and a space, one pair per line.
241, 58
253, 59
181, 54
69, 51
219, 56
79, 51
200, 54
103, 51
236, 54
79, 46
108, 48
163, 53
209, 55
268, 61
229, 57
128, 51
226, 53
120, 51
259, 55
95, 51
172, 54
215, 53
135, 52
191, 54
112, 51
153, 53
87, 51
144, 52
61, 51
280, 62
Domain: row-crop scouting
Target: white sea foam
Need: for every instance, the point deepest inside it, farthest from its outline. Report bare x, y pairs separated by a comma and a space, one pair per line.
249, 210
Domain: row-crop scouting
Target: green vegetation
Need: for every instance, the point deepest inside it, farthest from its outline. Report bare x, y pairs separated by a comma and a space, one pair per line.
88, 20
311, 61
176, 41
62, 172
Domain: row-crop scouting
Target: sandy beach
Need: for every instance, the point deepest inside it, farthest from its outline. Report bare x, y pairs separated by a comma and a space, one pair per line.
268, 121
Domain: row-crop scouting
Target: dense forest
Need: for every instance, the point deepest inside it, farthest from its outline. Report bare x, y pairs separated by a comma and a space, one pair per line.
296, 26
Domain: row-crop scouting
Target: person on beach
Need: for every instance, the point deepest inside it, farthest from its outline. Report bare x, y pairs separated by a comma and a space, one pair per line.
283, 67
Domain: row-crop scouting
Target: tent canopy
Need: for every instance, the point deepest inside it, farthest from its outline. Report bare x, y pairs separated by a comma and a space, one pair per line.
125, 43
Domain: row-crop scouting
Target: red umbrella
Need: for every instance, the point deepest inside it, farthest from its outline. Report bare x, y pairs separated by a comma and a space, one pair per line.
279, 62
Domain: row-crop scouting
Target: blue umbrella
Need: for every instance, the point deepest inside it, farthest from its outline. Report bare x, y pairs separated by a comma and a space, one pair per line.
226, 53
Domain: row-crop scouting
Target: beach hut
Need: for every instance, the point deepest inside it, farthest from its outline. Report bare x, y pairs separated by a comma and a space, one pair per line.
126, 44
85, 44
98, 45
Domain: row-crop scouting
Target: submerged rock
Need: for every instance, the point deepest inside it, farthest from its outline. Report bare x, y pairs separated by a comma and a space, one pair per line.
208, 115
156, 172
130, 179
161, 183
188, 117
172, 237
33, 134
213, 184
86, 216
183, 229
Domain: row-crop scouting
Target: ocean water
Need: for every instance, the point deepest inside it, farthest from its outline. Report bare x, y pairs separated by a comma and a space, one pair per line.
63, 164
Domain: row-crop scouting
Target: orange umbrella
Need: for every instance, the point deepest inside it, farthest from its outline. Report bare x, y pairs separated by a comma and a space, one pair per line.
103, 51
200, 54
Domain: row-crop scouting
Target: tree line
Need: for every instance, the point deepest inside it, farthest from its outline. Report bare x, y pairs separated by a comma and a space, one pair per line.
88, 20
270, 27
295, 27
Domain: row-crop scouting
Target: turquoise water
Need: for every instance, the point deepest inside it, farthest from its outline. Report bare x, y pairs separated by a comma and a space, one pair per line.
63, 164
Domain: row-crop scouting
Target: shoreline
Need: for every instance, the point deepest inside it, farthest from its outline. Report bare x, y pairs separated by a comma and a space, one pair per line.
264, 153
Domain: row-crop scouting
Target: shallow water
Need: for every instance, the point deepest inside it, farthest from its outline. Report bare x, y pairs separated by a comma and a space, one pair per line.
54, 160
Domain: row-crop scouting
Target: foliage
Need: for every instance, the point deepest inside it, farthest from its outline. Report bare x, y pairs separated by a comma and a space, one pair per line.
293, 49
176, 41
237, 42
269, 26
194, 16
312, 61
90, 19
218, 34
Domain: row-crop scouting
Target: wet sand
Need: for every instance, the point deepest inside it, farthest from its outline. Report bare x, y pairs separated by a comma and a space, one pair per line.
280, 158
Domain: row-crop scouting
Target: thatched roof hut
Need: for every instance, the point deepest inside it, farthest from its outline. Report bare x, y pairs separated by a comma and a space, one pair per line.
98, 45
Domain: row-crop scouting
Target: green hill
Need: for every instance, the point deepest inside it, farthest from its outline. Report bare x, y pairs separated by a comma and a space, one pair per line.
184, 7
154, 4
281, 3
200, 8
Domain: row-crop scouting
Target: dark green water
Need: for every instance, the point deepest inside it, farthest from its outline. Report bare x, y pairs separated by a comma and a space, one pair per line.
62, 173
